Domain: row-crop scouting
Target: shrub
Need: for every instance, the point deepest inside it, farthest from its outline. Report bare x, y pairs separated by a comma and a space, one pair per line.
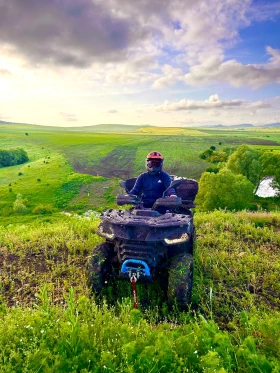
224, 190
20, 204
12, 157
43, 209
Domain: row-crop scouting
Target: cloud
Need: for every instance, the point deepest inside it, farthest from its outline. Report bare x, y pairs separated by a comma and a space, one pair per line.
68, 117
214, 69
64, 32
112, 111
262, 11
81, 32
153, 43
213, 104
171, 76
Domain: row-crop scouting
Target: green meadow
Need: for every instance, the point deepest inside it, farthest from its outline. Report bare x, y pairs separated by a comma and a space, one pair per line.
49, 320
68, 168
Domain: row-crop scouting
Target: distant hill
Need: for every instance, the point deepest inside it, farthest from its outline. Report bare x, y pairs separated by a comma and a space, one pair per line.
108, 128
244, 125
119, 128
271, 125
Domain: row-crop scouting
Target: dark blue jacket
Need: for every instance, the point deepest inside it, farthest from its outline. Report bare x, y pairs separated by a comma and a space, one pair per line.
151, 187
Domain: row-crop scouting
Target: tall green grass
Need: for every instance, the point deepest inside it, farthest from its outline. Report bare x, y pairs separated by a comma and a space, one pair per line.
49, 322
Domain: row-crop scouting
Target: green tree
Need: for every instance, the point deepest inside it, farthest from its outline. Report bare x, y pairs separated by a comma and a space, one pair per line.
271, 167
20, 204
206, 154
247, 161
12, 157
224, 190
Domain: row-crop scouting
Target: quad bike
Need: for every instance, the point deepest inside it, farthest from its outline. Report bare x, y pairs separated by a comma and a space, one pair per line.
148, 244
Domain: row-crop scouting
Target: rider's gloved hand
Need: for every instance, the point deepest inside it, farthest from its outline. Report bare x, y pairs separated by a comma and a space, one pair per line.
173, 195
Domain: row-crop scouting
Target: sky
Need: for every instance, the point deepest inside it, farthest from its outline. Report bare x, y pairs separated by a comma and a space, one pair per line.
159, 62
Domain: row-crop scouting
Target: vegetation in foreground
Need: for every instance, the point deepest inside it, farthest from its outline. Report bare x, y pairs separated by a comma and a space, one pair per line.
49, 322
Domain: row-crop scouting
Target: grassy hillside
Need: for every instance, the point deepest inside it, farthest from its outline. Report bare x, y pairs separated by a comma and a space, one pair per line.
58, 157
49, 322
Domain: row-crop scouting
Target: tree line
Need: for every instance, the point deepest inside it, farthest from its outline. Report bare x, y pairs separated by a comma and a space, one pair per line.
12, 157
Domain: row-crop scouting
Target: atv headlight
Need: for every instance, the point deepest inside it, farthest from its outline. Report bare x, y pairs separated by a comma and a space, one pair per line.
174, 240
108, 233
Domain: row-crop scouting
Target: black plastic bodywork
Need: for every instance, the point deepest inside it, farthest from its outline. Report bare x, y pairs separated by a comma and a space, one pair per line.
147, 235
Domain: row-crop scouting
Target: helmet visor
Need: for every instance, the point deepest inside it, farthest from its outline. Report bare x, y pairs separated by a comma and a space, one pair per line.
154, 163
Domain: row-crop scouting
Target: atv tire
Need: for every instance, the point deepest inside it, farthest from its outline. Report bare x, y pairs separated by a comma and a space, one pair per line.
180, 281
99, 267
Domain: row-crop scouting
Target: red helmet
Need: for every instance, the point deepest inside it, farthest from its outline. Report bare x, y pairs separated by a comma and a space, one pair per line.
154, 162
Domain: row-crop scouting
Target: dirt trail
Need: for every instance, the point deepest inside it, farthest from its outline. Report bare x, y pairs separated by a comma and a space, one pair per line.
118, 163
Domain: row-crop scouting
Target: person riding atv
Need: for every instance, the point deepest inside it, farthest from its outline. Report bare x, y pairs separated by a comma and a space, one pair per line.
154, 240
150, 185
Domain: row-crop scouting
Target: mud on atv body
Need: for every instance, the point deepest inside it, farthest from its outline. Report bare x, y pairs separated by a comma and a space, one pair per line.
152, 244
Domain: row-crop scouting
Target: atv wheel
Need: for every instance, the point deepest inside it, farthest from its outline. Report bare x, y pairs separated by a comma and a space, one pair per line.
99, 267
180, 280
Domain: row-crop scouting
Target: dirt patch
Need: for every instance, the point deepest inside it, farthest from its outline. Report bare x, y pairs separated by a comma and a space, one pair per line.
23, 275
118, 163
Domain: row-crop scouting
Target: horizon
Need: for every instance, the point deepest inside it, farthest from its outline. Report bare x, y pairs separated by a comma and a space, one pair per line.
239, 125
166, 63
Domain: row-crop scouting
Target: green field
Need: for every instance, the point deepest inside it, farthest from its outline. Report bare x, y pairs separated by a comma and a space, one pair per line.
60, 159
49, 320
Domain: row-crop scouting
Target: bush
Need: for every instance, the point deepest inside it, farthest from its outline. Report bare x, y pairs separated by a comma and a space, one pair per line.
20, 204
12, 157
43, 209
224, 190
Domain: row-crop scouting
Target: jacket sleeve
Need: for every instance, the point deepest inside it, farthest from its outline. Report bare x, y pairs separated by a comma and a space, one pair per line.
138, 186
167, 182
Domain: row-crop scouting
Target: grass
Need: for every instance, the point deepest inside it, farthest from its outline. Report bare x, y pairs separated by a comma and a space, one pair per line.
232, 325
49, 320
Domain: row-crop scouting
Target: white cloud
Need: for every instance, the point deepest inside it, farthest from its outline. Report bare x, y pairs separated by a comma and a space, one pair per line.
275, 56
214, 69
112, 111
170, 76
213, 103
263, 11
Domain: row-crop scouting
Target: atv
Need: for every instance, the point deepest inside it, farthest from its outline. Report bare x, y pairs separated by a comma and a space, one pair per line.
148, 244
